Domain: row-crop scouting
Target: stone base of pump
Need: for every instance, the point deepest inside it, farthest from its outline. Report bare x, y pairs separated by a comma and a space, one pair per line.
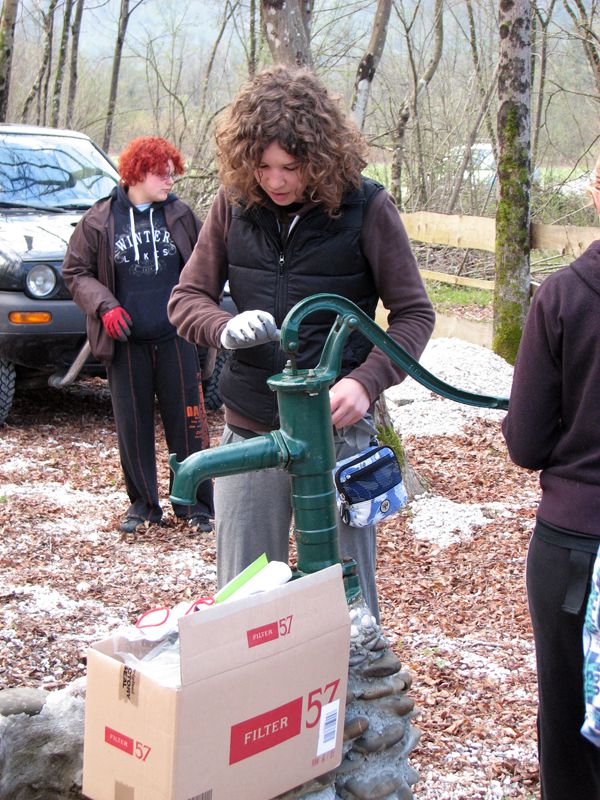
378, 733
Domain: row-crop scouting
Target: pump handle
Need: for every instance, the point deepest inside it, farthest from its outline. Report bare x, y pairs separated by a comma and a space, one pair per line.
351, 317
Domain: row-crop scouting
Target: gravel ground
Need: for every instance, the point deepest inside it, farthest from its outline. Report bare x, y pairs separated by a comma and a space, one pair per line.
451, 565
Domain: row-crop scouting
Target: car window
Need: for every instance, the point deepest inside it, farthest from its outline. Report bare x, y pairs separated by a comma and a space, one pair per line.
51, 171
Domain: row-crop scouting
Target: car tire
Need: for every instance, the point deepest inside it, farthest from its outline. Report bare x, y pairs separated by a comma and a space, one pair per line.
7, 388
210, 387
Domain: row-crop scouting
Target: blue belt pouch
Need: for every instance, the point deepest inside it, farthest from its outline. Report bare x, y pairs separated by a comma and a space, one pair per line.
369, 486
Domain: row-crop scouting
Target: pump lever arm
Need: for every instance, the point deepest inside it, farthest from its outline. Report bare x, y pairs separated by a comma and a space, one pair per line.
351, 317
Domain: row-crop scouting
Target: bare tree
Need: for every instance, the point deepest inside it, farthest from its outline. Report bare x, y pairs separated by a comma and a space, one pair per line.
124, 15
544, 22
60, 64
480, 77
582, 16
286, 27
39, 82
8, 20
73, 76
369, 62
483, 109
512, 283
409, 105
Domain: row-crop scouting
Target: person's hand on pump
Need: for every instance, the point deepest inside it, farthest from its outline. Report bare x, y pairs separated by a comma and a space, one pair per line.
349, 402
117, 323
249, 329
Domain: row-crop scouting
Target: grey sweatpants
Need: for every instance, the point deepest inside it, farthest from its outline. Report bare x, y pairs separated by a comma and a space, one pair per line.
253, 513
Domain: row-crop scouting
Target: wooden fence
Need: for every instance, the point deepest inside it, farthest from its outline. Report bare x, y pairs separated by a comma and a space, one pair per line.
479, 233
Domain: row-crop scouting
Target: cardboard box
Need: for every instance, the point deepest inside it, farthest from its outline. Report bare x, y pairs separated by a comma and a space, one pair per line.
259, 711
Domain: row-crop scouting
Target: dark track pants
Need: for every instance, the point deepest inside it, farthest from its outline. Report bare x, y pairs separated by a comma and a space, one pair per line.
169, 371
569, 763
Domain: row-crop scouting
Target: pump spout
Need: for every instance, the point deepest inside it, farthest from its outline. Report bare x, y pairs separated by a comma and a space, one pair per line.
260, 452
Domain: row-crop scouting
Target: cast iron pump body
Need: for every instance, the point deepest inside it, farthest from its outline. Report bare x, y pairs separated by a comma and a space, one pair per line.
303, 445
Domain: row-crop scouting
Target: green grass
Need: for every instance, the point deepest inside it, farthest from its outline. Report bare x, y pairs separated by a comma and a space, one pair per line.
444, 295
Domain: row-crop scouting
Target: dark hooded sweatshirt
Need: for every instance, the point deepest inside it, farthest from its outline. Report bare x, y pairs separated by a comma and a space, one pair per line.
97, 281
553, 421
147, 266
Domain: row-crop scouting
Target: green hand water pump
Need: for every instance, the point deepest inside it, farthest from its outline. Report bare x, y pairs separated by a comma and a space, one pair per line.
303, 445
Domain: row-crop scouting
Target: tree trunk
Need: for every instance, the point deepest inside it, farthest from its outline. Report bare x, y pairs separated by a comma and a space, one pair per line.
8, 21
480, 78
75, 32
369, 62
285, 27
483, 110
60, 64
124, 14
541, 80
114, 78
584, 24
35, 91
252, 45
420, 84
511, 295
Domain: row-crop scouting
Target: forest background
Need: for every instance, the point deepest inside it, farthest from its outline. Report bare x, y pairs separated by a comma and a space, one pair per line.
121, 68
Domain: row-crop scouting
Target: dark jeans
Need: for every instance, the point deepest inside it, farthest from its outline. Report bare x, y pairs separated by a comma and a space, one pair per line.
167, 371
558, 576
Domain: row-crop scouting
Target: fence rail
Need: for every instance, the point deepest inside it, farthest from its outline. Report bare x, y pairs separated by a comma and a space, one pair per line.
479, 233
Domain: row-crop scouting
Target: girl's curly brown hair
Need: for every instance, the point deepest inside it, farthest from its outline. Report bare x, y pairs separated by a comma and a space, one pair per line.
148, 154
289, 106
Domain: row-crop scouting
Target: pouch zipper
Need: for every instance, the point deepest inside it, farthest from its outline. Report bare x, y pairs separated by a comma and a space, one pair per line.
386, 459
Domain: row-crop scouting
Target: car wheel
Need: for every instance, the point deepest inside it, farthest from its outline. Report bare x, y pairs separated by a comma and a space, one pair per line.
210, 387
7, 388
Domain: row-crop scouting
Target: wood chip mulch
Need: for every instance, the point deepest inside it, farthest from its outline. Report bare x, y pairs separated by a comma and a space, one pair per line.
456, 614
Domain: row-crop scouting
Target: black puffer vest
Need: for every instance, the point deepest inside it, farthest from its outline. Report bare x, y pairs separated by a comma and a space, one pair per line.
321, 254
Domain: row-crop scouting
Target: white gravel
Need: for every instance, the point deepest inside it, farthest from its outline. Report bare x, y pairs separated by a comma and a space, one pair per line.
417, 410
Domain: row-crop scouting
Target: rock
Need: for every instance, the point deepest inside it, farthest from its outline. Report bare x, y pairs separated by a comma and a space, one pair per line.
355, 727
399, 705
41, 756
377, 788
22, 700
386, 664
373, 742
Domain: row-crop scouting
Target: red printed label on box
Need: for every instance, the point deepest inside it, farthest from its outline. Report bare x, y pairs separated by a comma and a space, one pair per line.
118, 740
265, 731
266, 633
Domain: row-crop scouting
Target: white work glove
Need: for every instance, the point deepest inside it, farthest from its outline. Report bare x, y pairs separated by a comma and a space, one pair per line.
249, 329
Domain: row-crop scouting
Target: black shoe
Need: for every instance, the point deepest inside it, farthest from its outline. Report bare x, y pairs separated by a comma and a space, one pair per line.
200, 523
131, 523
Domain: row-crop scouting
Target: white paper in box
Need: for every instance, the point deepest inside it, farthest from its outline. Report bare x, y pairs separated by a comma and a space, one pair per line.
246, 722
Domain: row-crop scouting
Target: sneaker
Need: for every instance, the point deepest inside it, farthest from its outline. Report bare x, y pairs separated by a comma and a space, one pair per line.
200, 523
131, 523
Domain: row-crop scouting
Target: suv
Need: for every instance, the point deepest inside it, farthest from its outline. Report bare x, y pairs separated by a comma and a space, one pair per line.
48, 179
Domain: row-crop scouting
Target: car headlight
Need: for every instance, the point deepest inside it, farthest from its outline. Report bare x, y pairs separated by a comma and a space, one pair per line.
41, 281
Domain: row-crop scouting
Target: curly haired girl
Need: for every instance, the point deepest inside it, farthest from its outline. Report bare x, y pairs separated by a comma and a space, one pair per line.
294, 217
290, 107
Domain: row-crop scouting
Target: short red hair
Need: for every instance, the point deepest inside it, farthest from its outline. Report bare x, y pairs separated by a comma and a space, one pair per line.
148, 154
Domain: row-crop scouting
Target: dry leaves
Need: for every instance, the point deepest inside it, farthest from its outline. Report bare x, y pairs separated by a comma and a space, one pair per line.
456, 615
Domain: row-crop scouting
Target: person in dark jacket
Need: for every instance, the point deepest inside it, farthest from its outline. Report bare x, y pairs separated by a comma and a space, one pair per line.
122, 261
553, 425
294, 217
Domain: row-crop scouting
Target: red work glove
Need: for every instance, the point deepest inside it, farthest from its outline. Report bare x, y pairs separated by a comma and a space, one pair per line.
117, 323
